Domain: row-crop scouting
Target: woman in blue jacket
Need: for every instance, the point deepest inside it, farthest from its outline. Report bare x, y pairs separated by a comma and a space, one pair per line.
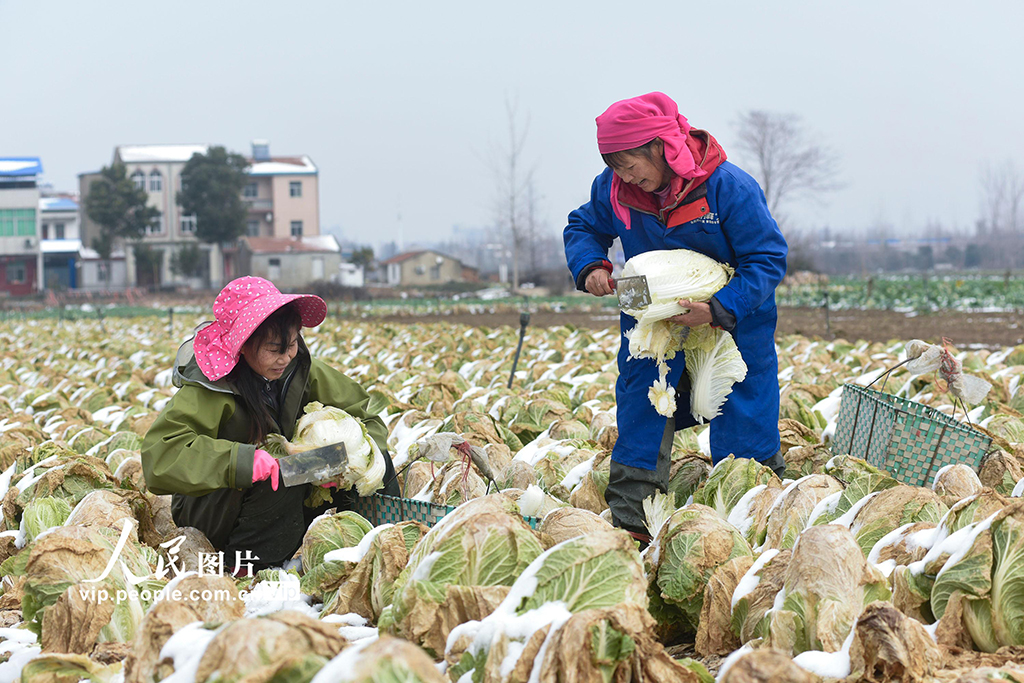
669, 186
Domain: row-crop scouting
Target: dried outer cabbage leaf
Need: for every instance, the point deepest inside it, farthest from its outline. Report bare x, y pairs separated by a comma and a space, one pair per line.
53, 667
987, 568
183, 603
611, 643
382, 660
760, 666
714, 632
68, 478
754, 596
887, 510
888, 645
804, 460
370, 586
828, 582
562, 524
254, 649
58, 600
955, 482
1000, 471
792, 510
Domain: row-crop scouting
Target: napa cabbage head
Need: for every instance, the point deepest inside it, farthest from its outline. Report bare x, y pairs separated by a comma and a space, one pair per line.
828, 582
986, 572
690, 545
675, 274
730, 479
42, 514
322, 425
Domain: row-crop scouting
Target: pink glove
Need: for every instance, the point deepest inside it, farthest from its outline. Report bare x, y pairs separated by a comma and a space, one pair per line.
328, 485
265, 465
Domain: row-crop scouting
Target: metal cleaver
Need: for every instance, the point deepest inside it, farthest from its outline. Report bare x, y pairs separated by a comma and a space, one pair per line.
633, 292
320, 464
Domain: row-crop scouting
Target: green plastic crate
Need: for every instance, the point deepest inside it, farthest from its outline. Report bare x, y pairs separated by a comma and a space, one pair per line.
381, 509
909, 440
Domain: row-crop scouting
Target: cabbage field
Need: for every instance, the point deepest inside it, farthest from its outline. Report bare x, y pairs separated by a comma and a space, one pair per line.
836, 572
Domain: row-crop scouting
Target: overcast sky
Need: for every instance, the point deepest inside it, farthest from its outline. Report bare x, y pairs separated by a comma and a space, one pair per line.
401, 104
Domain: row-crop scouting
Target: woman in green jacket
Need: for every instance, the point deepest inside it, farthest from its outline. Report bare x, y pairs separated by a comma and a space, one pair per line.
244, 376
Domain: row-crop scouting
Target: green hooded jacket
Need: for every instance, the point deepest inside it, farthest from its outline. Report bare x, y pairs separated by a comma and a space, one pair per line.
198, 450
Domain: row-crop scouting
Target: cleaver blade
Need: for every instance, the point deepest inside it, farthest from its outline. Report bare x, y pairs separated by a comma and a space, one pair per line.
320, 464
633, 292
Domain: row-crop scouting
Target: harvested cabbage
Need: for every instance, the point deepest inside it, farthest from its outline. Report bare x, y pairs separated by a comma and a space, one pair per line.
673, 275
325, 425
712, 359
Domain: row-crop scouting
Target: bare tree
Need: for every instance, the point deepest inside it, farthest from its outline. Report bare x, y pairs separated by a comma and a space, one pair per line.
787, 161
1002, 197
513, 183
531, 232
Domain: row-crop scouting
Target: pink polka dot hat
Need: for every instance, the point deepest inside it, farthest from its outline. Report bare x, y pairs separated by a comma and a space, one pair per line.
238, 310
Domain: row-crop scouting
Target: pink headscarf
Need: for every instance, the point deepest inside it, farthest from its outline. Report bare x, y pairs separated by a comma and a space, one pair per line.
631, 123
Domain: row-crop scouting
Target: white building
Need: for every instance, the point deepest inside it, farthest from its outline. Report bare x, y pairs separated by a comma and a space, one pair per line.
59, 242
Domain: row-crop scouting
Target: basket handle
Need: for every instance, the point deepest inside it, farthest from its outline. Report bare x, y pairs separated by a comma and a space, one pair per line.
887, 373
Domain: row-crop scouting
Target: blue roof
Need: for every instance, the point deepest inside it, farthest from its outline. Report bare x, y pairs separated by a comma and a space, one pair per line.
20, 166
57, 204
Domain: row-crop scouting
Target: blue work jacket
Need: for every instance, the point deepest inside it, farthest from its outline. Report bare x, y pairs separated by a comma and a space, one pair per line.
727, 219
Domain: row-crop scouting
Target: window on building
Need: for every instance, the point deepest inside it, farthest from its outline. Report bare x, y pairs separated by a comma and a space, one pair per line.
6, 223
139, 178
156, 181
16, 273
274, 269
156, 226
58, 231
103, 271
251, 190
252, 228
46, 231
188, 224
295, 188
296, 228
318, 268
25, 222
435, 272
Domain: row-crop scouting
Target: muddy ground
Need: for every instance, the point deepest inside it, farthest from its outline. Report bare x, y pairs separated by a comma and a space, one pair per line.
964, 330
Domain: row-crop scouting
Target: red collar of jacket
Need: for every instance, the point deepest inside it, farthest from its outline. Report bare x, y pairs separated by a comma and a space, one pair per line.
709, 154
